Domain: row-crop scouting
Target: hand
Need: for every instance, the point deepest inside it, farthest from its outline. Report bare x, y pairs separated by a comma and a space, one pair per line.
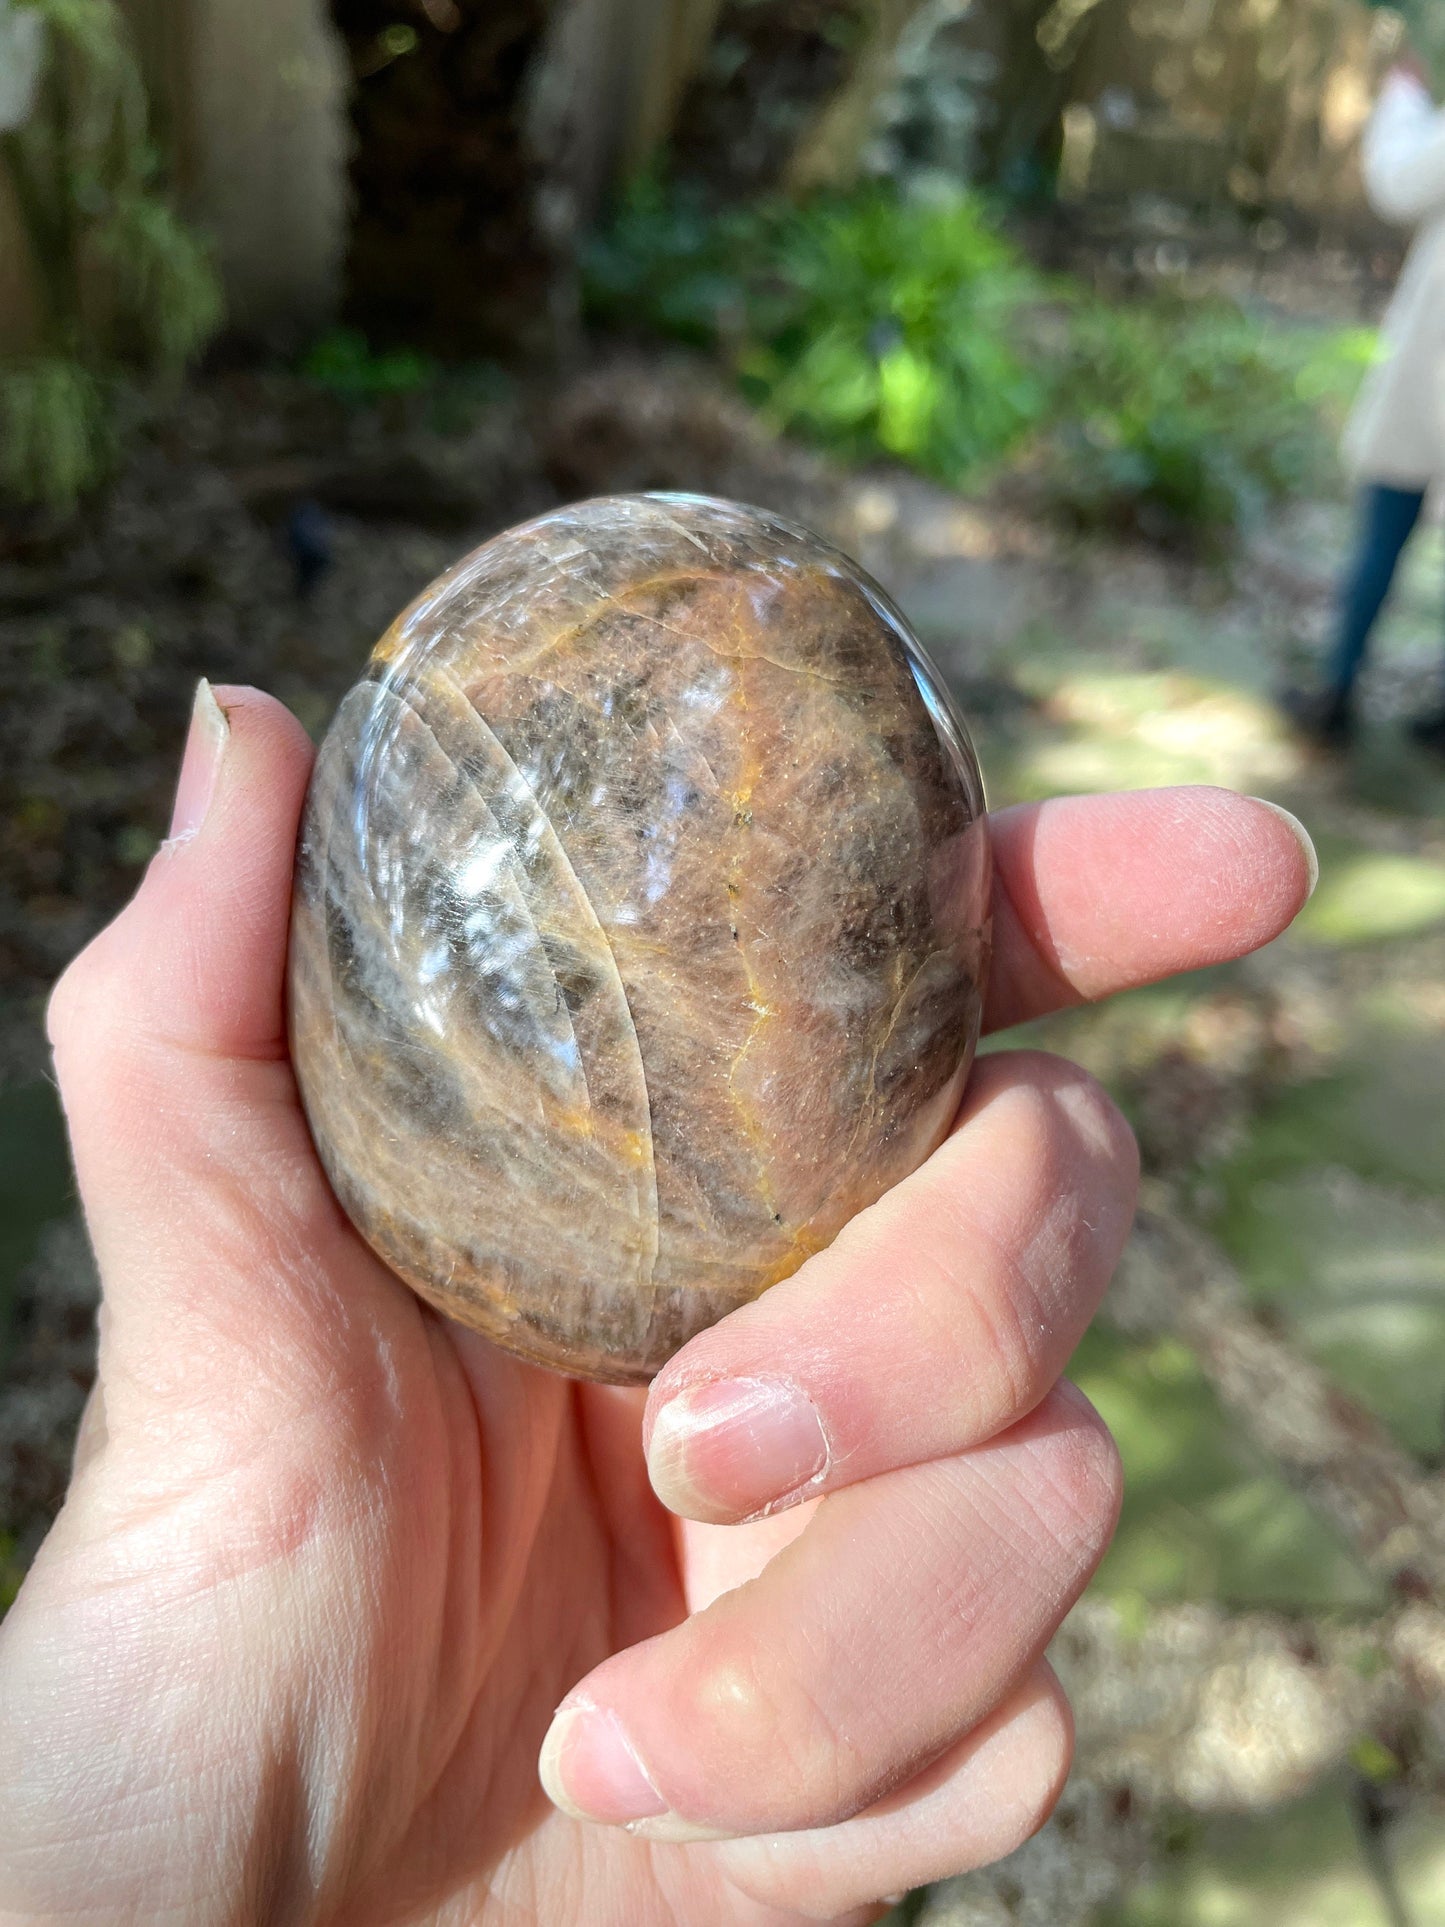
328, 1564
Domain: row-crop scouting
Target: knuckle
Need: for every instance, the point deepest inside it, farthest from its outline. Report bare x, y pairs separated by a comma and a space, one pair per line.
90, 1020
1072, 1489
1062, 1088
81, 999
1097, 1120
761, 1720
1018, 1266
1086, 1177
1066, 1121
1011, 1337
1026, 1098
723, 1698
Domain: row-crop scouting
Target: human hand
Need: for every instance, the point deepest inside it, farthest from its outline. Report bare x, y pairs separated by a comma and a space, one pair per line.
329, 1564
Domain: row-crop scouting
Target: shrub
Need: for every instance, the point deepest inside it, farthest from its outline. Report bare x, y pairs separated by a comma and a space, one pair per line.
1172, 417
878, 324
56, 431
125, 287
344, 362
869, 323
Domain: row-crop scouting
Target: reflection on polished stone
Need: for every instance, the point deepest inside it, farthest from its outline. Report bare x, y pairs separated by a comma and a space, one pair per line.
641, 924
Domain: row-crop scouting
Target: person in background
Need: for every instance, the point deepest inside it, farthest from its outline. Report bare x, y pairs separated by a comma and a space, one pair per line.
1395, 441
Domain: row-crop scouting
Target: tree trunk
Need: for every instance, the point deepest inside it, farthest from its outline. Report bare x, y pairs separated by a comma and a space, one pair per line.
449, 246
771, 73
613, 76
248, 107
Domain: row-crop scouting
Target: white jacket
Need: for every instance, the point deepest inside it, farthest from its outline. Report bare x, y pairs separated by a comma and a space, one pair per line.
1396, 433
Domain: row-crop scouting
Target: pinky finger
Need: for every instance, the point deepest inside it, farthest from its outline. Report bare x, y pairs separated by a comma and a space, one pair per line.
985, 1796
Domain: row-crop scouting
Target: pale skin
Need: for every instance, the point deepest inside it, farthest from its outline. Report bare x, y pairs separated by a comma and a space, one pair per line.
329, 1565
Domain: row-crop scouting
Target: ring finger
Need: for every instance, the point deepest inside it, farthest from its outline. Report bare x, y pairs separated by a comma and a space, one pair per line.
906, 1612
977, 1802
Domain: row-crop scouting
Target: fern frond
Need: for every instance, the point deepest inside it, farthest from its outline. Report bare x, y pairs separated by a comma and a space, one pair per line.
86, 179
91, 29
56, 437
164, 279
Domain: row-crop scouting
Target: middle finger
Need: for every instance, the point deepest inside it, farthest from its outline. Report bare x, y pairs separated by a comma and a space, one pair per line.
937, 1318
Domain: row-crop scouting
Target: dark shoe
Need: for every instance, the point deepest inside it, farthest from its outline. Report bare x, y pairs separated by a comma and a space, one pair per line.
1429, 732
1326, 716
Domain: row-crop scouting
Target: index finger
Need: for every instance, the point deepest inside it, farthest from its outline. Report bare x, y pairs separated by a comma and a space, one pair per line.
1095, 894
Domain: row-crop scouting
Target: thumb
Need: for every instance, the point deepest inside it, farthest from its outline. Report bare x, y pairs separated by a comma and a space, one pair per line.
214, 1228
201, 948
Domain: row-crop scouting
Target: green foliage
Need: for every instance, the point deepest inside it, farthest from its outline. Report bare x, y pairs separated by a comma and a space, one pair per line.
1374, 1761
56, 432
1175, 417
125, 287
94, 31
869, 323
162, 276
343, 362
891, 325
669, 264
445, 398
878, 324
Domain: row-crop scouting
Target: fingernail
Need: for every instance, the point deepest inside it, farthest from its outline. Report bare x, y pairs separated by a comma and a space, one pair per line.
1301, 836
737, 1448
201, 765
590, 1769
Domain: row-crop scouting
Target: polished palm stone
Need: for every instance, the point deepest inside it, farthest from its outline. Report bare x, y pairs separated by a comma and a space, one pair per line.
640, 928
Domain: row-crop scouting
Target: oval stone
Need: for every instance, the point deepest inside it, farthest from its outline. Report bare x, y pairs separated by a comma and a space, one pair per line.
640, 927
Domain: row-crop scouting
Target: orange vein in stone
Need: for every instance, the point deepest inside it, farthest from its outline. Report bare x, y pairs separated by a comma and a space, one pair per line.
562, 638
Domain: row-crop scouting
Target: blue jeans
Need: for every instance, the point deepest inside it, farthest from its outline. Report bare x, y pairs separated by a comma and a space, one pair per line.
1387, 521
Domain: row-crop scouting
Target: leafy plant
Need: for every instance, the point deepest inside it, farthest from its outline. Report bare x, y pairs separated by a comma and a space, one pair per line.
56, 430
163, 280
123, 284
882, 324
870, 323
1171, 417
344, 362
443, 398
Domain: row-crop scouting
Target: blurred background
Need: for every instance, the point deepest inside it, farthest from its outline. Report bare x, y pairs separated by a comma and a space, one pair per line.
1051, 312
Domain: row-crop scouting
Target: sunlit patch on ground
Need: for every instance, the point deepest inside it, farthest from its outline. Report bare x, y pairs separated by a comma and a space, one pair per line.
1371, 896
1300, 1867
1357, 1270
1204, 1516
1296, 1098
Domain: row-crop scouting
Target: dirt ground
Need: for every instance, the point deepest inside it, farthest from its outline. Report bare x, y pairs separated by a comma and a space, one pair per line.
1288, 1108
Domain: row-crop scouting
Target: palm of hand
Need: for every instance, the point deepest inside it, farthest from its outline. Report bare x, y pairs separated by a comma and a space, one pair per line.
463, 1535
